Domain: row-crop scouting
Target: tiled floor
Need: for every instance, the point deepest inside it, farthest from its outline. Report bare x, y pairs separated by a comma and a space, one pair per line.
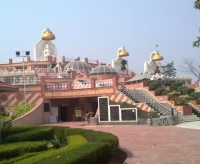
153, 145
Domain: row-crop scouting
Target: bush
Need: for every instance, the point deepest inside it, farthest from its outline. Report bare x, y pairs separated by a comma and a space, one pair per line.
146, 83
169, 82
74, 142
165, 92
182, 100
154, 85
36, 134
89, 153
187, 91
179, 89
14, 130
195, 95
175, 85
159, 91
198, 100
21, 110
11, 150
173, 95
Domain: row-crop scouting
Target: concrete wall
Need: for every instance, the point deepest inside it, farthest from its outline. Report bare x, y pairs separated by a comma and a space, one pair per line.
36, 116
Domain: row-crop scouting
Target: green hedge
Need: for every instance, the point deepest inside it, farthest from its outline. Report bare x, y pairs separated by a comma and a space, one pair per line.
195, 95
187, 91
35, 134
173, 95
94, 136
11, 150
159, 91
73, 142
154, 85
90, 153
198, 100
14, 130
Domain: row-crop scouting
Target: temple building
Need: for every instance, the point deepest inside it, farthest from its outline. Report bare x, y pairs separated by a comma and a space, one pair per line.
58, 88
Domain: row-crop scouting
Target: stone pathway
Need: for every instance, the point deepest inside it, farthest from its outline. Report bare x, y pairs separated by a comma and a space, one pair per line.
153, 145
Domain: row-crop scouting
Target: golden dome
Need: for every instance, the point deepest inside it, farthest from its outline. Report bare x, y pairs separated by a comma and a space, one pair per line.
122, 52
157, 57
47, 35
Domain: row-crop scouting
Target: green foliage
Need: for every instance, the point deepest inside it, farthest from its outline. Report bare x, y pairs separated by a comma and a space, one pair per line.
165, 92
168, 69
11, 150
195, 95
154, 85
169, 82
35, 134
198, 100
2, 112
187, 91
146, 83
58, 141
173, 95
179, 89
89, 153
21, 110
182, 100
73, 142
175, 85
159, 91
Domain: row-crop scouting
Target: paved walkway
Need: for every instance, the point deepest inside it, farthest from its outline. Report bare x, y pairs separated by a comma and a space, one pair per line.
154, 145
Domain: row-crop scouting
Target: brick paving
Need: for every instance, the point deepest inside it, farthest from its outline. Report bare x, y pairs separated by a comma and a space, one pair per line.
152, 145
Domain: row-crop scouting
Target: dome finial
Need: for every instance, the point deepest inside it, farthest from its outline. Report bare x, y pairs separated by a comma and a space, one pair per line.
48, 35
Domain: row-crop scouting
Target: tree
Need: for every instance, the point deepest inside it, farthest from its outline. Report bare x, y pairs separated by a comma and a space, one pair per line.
197, 42
190, 67
169, 70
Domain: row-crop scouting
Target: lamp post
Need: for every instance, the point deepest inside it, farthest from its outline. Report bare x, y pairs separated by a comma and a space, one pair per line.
18, 55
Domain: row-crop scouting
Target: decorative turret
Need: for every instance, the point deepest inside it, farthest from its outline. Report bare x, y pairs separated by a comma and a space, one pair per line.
122, 52
47, 35
157, 56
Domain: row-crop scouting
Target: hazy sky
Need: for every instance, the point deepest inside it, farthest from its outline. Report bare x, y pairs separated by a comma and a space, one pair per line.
97, 28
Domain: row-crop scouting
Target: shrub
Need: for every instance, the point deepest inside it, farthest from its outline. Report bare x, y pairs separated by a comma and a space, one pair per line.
198, 100
74, 142
146, 83
21, 110
169, 82
179, 89
36, 134
175, 85
187, 91
154, 85
89, 153
165, 92
173, 95
159, 91
181, 100
195, 95
11, 150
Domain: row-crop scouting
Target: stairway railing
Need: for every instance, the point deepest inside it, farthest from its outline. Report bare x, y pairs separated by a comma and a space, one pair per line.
144, 98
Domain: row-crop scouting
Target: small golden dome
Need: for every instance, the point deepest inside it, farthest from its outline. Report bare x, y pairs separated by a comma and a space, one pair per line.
47, 35
122, 52
157, 57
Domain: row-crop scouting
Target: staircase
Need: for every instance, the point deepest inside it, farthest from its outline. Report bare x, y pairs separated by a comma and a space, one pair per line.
181, 118
140, 96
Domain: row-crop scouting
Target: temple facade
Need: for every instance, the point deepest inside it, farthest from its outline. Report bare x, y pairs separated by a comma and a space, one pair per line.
58, 88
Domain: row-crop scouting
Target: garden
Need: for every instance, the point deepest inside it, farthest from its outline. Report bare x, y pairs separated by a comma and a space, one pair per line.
46, 144
175, 91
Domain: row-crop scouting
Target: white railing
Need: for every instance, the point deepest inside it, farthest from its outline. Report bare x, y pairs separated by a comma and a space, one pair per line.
59, 86
43, 70
19, 60
92, 61
80, 84
69, 59
21, 81
17, 72
121, 72
2, 79
40, 59
103, 83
